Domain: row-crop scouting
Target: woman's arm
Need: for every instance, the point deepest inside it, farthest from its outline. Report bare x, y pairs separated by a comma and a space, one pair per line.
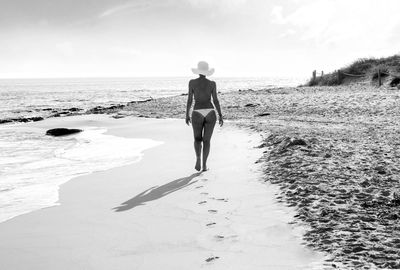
216, 103
189, 103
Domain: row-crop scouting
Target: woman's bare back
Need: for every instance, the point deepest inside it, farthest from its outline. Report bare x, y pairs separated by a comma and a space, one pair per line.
202, 91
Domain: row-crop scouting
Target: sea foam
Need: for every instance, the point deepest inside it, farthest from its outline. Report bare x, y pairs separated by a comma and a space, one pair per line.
33, 166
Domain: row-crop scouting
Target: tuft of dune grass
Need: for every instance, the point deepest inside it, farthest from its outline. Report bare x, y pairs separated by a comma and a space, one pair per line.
363, 66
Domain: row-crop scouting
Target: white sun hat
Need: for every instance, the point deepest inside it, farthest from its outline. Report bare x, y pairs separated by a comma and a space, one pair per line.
203, 69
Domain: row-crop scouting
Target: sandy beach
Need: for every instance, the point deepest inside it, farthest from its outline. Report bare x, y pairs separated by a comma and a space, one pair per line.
334, 154
300, 178
300, 101
159, 213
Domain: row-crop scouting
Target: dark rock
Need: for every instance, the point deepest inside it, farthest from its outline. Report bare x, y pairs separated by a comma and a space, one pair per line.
367, 204
380, 170
264, 144
74, 109
212, 259
116, 107
35, 119
62, 131
324, 212
395, 82
365, 183
101, 109
118, 116
146, 100
22, 119
288, 142
141, 101
251, 105
263, 114
64, 112
297, 142
3, 121
98, 109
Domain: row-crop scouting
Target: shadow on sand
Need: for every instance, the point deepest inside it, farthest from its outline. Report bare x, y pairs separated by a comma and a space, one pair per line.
156, 192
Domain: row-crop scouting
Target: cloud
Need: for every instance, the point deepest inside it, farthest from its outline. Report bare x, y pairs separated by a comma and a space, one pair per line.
276, 15
136, 6
224, 6
357, 23
220, 3
237, 36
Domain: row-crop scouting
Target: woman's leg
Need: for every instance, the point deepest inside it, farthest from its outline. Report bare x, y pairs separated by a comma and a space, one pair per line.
209, 123
197, 124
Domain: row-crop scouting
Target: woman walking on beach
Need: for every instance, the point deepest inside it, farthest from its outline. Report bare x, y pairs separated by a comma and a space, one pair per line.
203, 115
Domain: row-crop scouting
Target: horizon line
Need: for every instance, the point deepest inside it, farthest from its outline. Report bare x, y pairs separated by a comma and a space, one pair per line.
138, 77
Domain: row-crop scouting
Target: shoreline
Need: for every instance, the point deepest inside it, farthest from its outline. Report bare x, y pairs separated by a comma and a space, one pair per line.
345, 135
32, 172
217, 222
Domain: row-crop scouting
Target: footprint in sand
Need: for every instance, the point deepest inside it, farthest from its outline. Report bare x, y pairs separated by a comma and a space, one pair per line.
210, 224
219, 199
202, 202
204, 193
210, 259
199, 186
204, 180
212, 211
221, 237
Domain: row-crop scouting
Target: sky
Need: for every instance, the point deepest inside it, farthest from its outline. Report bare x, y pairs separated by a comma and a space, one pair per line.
136, 38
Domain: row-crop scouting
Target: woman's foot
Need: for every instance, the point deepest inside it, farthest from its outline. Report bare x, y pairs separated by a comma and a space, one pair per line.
204, 168
197, 166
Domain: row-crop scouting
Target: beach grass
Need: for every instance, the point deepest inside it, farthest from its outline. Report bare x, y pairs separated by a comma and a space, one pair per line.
363, 66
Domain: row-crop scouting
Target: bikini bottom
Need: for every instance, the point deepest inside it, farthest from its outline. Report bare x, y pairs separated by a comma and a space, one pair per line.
204, 112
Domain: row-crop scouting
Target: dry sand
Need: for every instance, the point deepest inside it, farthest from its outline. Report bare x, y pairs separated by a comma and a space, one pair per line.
160, 214
343, 180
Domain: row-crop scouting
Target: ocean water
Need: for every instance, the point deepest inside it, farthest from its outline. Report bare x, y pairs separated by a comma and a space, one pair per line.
33, 166
42, 97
